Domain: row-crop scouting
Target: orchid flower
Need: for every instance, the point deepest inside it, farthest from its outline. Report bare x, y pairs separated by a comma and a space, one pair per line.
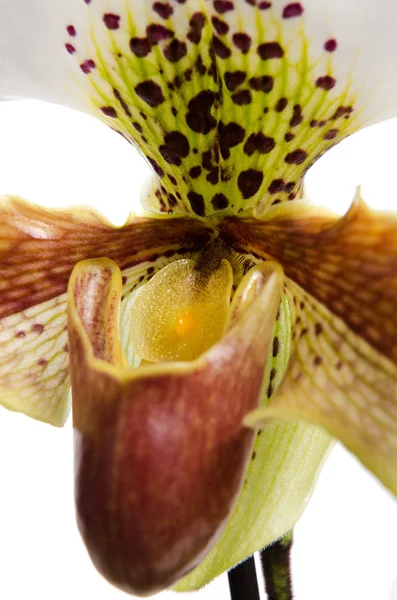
218, 342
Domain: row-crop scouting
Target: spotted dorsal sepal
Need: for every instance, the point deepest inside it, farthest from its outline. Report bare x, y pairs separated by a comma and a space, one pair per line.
230, 102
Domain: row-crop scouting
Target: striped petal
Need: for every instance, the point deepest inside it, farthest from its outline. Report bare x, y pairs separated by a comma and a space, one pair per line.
343, 295
38, 250
231, 101
173, 426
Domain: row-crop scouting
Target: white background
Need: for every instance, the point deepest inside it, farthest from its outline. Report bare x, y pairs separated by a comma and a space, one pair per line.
346, 542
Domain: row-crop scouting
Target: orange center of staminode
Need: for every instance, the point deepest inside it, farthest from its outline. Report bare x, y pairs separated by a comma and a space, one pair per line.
185, 324
179, 313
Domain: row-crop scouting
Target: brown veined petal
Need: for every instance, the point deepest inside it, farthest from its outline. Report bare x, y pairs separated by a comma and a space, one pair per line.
160, 450
343, 289
38, 250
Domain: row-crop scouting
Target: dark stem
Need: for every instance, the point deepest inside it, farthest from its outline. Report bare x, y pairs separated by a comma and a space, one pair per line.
242, 581
276, 567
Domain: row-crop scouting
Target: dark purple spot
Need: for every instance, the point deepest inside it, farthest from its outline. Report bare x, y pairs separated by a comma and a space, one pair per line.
156, 167
297, 116
207, 160
331, 45
262, 84
37, 328
230, 135
199, 117
66, 348
270, 50
331, 134
172, 179
295, 9
264, 5
220, 26
172, 201
297, 157
289, 186
242, 97
195, 172
111, 21
342, 111
175, 148
317, 361
196, 23
242, 41
222, 6
157, 33
141, 47
276, 186
137, 126
70, 48
213, 176
150, 92
175, 51
200, 67
318, 329
42, 362
220, 49
220, 202
71, 30
122, 102
249, 182
164, 10
109, 111
258, 142
326, 82
197, 203
289, 136
87, 66
281, 105
234, 78
20, 334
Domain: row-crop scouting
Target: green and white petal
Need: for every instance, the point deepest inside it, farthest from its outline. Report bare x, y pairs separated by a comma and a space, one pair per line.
231, 101
341, 281
38, 250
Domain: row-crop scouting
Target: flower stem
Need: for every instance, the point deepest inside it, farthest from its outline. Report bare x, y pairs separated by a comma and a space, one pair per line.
276, 567
242, 581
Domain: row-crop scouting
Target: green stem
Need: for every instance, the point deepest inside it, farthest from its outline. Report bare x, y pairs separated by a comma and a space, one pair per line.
276, 567
243, 582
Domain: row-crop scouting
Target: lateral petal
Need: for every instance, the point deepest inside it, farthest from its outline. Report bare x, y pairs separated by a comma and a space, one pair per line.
343, 294
38, 250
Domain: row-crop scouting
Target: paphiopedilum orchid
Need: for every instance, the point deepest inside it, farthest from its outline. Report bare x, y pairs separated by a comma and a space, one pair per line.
253, 326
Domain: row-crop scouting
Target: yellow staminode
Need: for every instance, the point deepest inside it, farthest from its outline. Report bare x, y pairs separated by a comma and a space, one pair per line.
181, 312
